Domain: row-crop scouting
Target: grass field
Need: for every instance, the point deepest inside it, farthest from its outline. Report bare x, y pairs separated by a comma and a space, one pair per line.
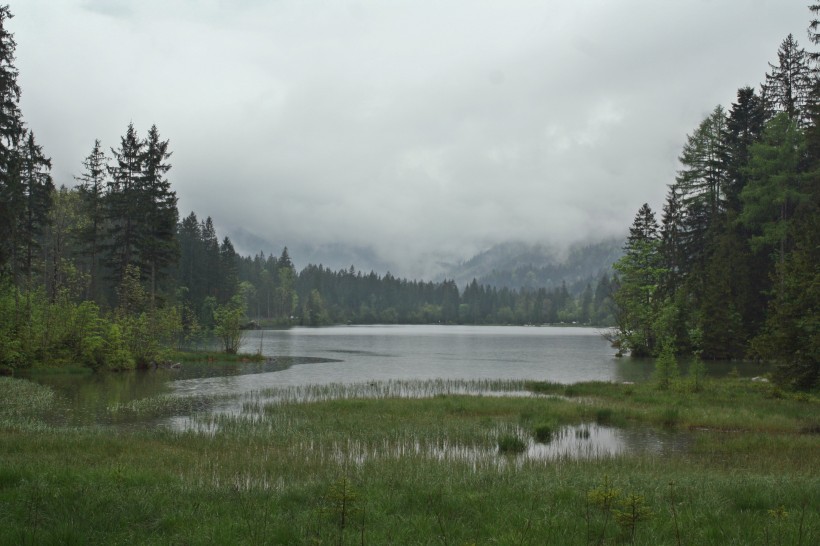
416, 463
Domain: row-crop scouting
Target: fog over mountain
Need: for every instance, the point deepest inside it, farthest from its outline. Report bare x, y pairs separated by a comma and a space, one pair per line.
408, 135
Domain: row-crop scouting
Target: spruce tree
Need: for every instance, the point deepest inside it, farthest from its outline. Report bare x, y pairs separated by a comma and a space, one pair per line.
701, 185
124, 204
788, 86
776, 185
11, 133
641, 273
92, 186
744, 127
210, 251
157, 244
38, 187
190, 266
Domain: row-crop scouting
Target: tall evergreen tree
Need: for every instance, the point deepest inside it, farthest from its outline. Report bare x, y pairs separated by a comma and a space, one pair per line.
191, 266
92, 187
158, 247
671, 246
788, 86
641, 273
744, 127
11, 133
228, 271
775, 188
38, 187
701, 186
210, 255
124, 200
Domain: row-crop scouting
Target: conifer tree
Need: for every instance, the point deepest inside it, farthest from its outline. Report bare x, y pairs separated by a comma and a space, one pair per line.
775, 186
744, 127
210, 251
92, 186
157, 244
123, 200
641, 273
190, 266
228, 271
37, 186
11, 133
701, 185
788, 86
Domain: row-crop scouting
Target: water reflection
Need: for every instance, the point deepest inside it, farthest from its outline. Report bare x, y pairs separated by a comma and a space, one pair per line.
579, 442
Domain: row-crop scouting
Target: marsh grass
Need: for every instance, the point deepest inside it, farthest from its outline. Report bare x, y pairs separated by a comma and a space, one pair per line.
282, 470
214, 356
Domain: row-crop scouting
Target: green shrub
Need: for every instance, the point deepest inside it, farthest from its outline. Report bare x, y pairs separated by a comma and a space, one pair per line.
544, 433
511, 444
603, 416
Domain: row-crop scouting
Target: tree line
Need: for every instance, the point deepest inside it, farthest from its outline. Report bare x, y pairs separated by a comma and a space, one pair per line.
318, 296
731, 270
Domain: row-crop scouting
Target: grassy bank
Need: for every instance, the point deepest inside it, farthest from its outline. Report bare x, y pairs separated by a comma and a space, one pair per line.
419, 471
213, 356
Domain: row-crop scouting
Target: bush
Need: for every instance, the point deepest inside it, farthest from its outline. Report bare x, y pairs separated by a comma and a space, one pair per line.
666, 367
544, 433
511, 444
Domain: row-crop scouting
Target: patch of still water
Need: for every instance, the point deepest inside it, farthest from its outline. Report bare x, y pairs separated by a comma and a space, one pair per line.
590, 441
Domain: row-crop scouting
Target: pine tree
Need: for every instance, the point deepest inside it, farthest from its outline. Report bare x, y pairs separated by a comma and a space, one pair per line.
190, 265
38, 187
788, 86
157, 244
776, 187
210, 258
124, 200
701, 185
744, 127
11, 133
641, 273
228, 271
92, 185
671, 246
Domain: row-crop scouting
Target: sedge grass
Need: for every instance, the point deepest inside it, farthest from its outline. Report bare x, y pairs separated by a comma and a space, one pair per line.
279, 471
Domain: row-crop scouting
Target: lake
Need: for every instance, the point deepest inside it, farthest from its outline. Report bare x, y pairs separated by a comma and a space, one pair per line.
356, 354
303, 360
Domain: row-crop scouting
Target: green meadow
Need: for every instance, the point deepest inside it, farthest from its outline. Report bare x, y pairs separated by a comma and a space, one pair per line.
424, 462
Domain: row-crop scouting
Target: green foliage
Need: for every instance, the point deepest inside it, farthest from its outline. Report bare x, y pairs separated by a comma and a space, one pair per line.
641, 273
792, 331
544, 433
510, 444
697, 374
666, 367
228, 321
632, 510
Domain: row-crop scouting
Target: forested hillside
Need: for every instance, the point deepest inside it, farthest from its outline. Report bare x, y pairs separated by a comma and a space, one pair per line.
731, 268
522, 266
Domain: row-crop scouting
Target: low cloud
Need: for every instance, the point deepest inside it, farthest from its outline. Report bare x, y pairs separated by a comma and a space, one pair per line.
425, 131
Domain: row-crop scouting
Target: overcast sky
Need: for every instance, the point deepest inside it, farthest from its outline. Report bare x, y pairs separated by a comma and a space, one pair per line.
423, 129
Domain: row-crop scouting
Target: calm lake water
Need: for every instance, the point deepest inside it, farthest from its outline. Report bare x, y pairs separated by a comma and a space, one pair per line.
302, 361
356, 354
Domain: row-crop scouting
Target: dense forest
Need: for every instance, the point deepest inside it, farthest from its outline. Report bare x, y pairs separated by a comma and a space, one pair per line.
731, 269
105, 274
